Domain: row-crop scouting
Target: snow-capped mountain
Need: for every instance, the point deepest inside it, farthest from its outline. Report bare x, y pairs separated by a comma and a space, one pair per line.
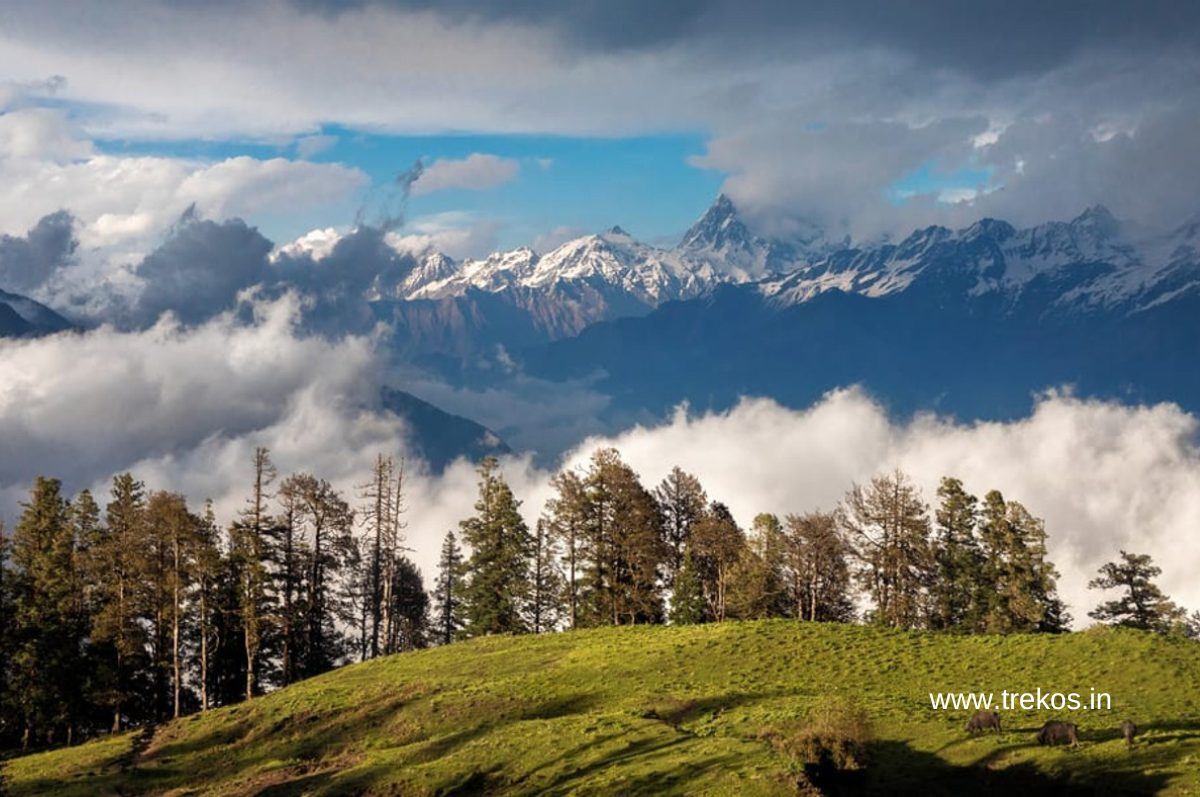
611, 262
1088, 263
721, 239
973, 322
521, 298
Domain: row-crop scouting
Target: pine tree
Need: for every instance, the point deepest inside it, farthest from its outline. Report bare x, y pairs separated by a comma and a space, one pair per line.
1020, 590
1142, 604
46, 643
757, 588
324, 522
566, 519
115, 573
625, 550
251, 552
687, 600
446, 606
683, 502
209, 567
409, 629
497, 583
717, 545
396, 572
888, 524
174, 535
817, 559
956, 594
7, 713
545, 582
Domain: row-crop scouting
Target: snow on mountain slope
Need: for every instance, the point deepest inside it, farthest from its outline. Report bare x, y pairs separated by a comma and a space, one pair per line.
1092, 261
1089, 262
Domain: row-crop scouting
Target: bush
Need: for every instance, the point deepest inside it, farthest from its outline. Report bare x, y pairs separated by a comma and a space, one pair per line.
836, 735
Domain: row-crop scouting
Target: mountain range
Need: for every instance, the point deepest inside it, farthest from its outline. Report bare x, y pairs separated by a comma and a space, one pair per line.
971, 322
520, 299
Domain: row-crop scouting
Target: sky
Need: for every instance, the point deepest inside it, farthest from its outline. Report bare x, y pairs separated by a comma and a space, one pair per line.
539, 120
467, 126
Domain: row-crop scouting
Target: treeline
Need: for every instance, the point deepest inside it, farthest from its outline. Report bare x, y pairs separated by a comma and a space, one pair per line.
147, 610
609, 551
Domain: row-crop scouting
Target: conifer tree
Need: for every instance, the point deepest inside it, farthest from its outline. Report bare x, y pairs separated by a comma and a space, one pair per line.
683, 502
956, 594
567, 517
447, 590
625, 549
325, 522
757, 588
409, 627
545, 581
46, 642
1142, 603
817, 567
717, 545
115, 572
209, 567
1021, 593
496, 588
888, 524
7, 715
251, 551
687, 599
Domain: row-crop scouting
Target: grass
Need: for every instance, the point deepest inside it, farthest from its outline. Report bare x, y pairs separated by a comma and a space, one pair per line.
717, 709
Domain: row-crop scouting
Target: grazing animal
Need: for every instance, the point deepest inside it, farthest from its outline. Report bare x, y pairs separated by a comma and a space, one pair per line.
1128, 730
982, 720
1058, 732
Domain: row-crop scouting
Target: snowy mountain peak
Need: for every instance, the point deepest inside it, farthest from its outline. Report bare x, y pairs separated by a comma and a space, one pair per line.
718, 229
1098, 221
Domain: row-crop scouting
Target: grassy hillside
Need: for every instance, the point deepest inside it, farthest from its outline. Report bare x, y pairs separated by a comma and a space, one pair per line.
701, 709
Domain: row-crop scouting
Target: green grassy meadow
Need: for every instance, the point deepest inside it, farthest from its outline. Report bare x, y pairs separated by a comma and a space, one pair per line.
683, 710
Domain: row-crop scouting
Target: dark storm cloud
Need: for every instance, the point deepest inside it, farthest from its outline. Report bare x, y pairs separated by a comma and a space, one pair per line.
335, 286
200, 268
26, 263
987, 40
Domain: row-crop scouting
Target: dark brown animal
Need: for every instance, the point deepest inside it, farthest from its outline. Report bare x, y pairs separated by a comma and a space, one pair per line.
982, 720
1058, 732
1128, 730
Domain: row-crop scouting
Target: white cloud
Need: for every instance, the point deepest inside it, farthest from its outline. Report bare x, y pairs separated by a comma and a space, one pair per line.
477, 172
168, 70
1105, 477
457, 234
40, 134
124, 203
185, 408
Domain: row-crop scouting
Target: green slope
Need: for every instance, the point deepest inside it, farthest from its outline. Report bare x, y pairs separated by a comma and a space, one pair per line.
701, 709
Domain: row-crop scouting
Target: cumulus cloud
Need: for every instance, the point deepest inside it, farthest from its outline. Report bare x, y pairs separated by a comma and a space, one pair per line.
477, 172
200, 269
459, 235
1105, 477
83, 406
27, 263
183, 407
123, 204
1083, 101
